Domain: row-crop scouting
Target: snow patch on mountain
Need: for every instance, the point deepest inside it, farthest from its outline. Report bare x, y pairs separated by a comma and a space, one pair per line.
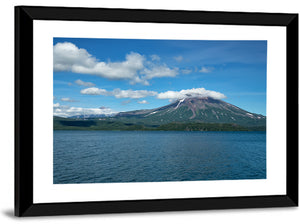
180, 101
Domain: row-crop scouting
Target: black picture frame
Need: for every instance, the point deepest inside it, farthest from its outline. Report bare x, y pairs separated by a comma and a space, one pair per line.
24, 17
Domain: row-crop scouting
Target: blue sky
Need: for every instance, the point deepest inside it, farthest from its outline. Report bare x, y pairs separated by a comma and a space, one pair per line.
112, 75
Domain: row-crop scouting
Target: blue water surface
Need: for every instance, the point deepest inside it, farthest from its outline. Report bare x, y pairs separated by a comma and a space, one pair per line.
153, 156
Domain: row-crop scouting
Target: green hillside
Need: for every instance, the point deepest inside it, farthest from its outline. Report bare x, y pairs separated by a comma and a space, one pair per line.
107, 125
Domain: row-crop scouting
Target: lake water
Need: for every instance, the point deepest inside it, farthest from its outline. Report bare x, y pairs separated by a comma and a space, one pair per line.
153, 156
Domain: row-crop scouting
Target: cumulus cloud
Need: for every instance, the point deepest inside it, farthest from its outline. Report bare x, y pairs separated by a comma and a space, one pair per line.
118, 93
68, 57
94, 91
114, 70
86, 84
139, 80
65, 111
195, 92
171, 95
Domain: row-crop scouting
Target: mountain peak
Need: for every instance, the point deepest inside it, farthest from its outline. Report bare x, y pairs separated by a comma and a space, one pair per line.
197, 109
200, 99
200, 102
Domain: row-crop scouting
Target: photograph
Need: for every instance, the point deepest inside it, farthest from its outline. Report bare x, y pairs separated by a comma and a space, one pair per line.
153, 110
158, 110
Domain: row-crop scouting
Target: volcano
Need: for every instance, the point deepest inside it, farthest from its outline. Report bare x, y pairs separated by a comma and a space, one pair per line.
195, 109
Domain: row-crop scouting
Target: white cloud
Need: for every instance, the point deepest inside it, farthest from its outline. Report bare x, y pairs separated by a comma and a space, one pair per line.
155, 57
195, 92
159, 72
68, 57
134, 94
186, 71
178, 58
66, 99
143, 102
205, 69
171, 95
142, 81
86, 84
118, 93
65, 111
94, 91
114, 70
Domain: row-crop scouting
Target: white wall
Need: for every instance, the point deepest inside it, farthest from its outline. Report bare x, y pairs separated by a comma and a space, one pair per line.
278, 215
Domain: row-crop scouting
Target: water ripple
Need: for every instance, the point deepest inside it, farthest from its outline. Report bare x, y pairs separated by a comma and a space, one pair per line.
136, 156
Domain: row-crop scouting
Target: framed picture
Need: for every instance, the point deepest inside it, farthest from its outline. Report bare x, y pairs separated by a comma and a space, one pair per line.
121, 110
